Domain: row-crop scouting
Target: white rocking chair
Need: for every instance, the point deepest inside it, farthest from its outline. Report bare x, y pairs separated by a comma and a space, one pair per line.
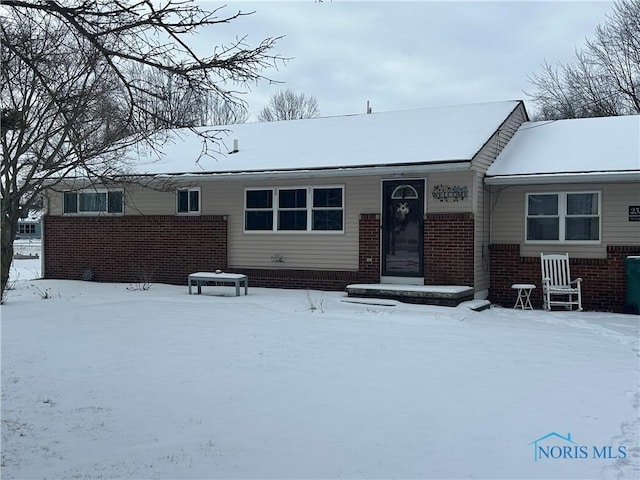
556, 281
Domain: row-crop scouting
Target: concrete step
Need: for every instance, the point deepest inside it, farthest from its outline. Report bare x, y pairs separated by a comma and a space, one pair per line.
444, 295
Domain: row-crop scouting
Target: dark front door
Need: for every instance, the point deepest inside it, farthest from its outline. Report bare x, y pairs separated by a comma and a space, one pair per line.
402, 228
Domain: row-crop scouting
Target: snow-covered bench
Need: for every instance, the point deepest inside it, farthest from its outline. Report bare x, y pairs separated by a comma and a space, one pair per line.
219, 278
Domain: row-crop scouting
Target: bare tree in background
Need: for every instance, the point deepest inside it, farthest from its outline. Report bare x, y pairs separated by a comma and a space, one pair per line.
288, 105
180, 104
174, 103
70, 102
604, 78
221, 112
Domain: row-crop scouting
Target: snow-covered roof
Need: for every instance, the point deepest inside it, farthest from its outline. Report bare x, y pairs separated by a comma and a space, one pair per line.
32, 216
576, 150
422, 136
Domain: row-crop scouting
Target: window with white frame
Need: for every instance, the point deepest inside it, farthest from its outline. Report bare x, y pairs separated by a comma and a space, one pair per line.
258, 210
26, 229
327, 211
93, 202
292, 209
300, 209
563, 217
188, 201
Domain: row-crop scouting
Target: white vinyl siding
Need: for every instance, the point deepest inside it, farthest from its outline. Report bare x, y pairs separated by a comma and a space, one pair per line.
443, 182
315, 250
508, 219
492, 148
482, 205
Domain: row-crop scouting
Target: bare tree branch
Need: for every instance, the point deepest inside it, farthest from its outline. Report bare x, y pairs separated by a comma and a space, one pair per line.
73, 97
603, 79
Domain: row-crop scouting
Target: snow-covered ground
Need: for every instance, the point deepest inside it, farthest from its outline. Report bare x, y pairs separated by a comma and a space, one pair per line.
27, 248
111, 381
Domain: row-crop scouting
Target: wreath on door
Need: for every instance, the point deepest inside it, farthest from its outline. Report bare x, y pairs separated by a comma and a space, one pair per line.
402, 211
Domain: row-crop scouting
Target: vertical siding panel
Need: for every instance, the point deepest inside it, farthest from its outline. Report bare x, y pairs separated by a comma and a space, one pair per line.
482, 209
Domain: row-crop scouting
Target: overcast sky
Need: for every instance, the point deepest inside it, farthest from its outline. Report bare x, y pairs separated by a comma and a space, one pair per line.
402, 55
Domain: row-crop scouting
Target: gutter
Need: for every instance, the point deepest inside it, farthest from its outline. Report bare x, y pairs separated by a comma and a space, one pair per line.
399, 170
551, 178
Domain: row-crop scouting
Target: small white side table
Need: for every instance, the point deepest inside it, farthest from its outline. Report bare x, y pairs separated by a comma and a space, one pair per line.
524, 295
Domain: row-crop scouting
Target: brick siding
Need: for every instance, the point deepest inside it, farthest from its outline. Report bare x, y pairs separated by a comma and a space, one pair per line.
448, 249
369, 248
124, 249
169, 248
603, 285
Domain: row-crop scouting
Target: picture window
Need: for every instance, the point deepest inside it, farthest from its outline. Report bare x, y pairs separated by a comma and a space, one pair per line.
303, 209
92, 202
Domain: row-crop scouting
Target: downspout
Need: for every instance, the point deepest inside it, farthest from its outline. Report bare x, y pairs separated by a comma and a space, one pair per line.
488, 187
45, 212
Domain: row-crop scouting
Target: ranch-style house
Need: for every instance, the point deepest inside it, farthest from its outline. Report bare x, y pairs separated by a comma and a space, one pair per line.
459, 195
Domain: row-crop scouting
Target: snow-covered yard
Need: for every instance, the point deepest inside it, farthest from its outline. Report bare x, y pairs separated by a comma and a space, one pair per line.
110, 381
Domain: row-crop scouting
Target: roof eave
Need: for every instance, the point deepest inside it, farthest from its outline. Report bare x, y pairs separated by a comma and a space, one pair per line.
391, 170
552, 178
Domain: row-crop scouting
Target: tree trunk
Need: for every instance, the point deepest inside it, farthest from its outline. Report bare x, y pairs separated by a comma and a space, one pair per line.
7, 234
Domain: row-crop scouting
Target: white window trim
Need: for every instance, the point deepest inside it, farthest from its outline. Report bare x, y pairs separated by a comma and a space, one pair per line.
272, 209
312, 209
277, 209
23, 227
562, 215
189, 190
309, 208
106, 191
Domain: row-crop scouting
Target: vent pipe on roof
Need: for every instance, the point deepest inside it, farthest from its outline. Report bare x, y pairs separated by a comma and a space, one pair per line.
235, 146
